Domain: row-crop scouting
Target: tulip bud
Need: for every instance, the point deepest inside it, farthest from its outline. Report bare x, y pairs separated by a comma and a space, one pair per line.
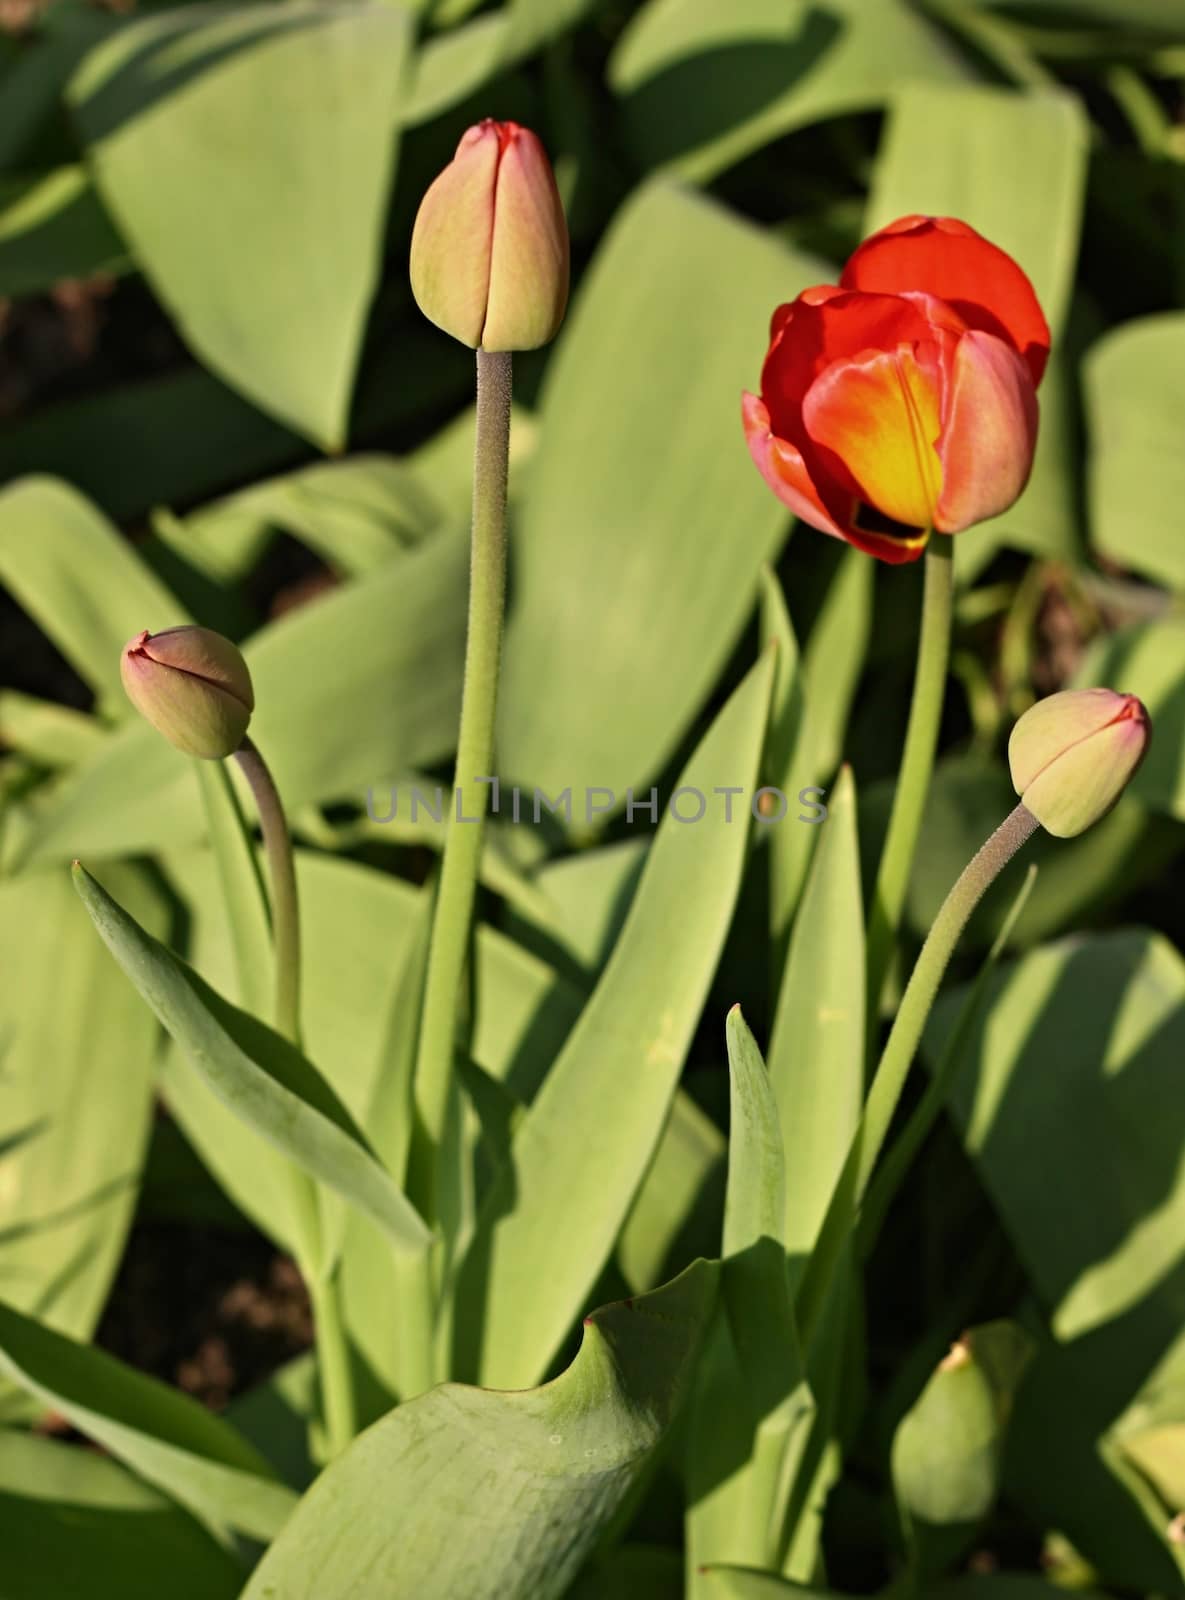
1072, 755
193, 686
489, 252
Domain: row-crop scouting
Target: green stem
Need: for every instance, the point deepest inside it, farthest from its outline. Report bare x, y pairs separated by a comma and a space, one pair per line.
333, 1352
892, 1170
277, 844
334, 1365
435, 1083
917, 764
900, 1049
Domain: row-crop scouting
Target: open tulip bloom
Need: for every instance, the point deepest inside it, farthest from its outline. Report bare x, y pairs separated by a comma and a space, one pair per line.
903, 401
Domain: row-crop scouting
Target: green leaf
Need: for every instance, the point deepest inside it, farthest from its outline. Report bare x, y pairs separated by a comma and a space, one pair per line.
702, 86
1149, 660
50, 734
79, 580
256, 1073
202, 125
76, 1074
167, 1438
454, 65
1157, 16
248, 915
1094, 1204
77, 1523
640, 543
549, 1220
680, 1190
355, 514
747, 1583
497, 1496
1014, 167
1134, 380
757, 1296
52, 228
947, 1450
816, 1054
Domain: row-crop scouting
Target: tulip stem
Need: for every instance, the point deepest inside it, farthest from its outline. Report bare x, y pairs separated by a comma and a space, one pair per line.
900, 1049
333, 1351
917, 765
277, 844
435, 1082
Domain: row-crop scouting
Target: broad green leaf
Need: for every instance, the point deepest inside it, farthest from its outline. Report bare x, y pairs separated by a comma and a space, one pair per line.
455, 64
550, 1219
1094, 1204
166, 1437
76, 1058
246, 156
389, 647
494, 1495
948, 1449
50, 734
240, 876
355, 514
77, 1523
277, 1417
256, 1073
702, 86
1097, 1023
1134, 379
1157, 16
54, 228
681, 1189
35, 71
816, 1053
644, 525
1148, 660
79, 580
178, 439
833, 659
1014, 167
584, 901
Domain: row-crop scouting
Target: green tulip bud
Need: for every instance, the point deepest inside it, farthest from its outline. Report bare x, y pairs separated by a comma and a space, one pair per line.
193, 686
1073, 754
489, 251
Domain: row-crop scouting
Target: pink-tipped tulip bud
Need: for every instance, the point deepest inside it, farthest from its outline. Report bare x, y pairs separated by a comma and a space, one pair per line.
1073, 754
489, 252
193, 686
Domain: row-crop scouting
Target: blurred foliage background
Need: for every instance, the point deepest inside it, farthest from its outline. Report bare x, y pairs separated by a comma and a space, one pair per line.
218, 403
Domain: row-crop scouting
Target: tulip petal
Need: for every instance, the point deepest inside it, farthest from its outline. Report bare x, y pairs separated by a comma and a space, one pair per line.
452, 238
1081, 785
1051, 726
783, 468
878, 415
528, 283
944, 257
820, 327
989, 432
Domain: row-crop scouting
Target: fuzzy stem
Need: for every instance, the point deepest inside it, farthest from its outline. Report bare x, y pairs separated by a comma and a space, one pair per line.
333, 1352
887, 1085
917, 765
434, 1080
277, 844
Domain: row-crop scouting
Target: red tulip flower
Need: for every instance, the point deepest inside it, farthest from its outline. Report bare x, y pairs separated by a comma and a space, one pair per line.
905, 400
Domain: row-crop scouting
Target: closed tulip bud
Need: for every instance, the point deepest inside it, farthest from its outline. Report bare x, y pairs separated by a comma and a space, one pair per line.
1073, 754
489, 252
193, 686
